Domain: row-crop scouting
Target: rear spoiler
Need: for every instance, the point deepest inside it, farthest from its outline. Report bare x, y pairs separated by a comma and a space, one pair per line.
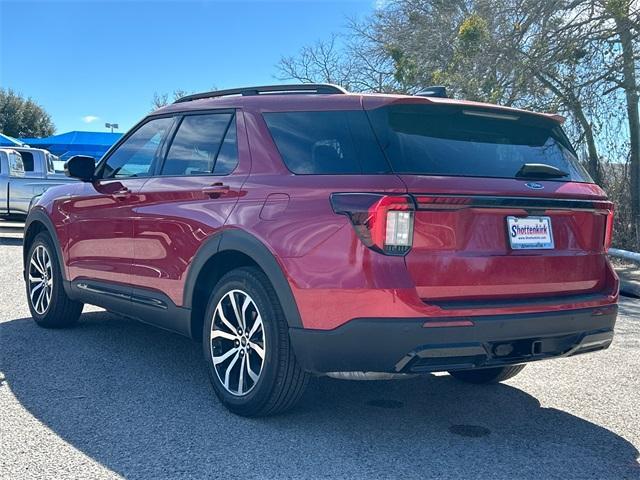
372, 101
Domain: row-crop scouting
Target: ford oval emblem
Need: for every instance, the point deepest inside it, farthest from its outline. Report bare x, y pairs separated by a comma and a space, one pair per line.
534, 186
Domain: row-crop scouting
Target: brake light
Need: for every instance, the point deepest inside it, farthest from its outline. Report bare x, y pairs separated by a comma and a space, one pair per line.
608, 236
383, 223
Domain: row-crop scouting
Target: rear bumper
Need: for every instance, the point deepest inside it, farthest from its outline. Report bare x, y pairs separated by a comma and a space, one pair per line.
407, 345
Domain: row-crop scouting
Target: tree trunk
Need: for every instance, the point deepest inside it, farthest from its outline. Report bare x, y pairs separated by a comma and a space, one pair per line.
574, 105
593, 160
623, 27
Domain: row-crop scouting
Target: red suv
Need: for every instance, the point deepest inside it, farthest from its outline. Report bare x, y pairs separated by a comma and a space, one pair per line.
301, 229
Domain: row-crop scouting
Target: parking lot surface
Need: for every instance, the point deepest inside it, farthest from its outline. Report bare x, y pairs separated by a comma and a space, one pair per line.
115, 398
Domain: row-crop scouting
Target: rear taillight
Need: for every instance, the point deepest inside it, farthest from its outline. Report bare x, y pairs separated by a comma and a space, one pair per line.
384, 223
608, 236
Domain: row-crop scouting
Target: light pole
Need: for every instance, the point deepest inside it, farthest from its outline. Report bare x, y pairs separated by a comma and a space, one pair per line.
111, 126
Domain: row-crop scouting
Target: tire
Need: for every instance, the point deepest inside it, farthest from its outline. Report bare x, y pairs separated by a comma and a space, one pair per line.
276, 381
59, 311
487, 375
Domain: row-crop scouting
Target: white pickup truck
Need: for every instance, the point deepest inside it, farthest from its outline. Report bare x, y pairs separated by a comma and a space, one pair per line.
25, 173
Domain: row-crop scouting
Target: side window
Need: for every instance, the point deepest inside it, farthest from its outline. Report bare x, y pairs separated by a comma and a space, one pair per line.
50, 167
16, 165
135, 156
27, 161
228, 155
204, 144
326, 142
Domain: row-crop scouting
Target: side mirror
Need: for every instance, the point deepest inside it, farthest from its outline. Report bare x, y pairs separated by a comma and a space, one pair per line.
81, 167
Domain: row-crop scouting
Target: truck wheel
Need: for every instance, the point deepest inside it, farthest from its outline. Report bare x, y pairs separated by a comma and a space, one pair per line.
48, 302
247, 348
487, 375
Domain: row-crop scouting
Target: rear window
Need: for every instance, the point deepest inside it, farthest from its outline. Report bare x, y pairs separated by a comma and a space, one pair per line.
434, 140
329, 142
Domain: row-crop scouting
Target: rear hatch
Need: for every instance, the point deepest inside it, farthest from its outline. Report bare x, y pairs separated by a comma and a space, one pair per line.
505, 212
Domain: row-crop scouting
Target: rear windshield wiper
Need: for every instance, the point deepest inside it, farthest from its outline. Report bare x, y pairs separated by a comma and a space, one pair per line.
540, 170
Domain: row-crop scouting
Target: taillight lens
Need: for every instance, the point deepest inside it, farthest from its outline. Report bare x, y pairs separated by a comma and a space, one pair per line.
384, 223
608, 236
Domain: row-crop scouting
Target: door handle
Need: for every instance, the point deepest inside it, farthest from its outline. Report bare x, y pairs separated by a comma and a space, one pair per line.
121, 194
217, 188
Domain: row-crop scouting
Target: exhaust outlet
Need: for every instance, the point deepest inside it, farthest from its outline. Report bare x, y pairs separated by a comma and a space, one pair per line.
503, 350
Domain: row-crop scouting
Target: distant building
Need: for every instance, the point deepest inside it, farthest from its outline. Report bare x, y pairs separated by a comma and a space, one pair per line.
66, 145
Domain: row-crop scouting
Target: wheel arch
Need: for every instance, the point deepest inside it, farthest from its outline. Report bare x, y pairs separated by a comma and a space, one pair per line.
38, 221
222, 253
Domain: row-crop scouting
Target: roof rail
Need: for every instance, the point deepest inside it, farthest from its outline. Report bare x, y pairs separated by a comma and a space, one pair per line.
435, 91
314, 88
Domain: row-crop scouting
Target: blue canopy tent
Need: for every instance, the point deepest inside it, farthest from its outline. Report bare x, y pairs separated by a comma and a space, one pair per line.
7, 141
66, 145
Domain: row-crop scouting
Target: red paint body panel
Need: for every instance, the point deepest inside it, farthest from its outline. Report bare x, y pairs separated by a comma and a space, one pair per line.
150, 238
464, 252
176, 214
171, 222
101, 237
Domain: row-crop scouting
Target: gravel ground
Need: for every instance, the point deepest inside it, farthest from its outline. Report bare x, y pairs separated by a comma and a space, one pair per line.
115, 398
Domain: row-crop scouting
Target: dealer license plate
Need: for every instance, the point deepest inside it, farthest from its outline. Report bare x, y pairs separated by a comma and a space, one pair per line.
530, 233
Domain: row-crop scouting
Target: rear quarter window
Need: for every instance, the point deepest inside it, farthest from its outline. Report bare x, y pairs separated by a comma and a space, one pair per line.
325, 143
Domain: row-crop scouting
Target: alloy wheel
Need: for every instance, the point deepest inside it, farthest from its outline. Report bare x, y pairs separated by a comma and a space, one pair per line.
40, 279
237, 342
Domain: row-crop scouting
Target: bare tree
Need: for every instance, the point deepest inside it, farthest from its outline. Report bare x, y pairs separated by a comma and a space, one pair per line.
323, 62
625, 15
555, 56
351, 60
162, 99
